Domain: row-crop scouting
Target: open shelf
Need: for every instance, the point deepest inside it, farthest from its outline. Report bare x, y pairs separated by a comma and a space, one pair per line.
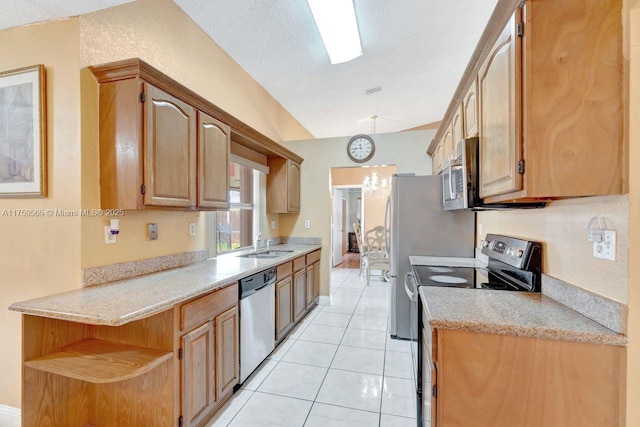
100, 362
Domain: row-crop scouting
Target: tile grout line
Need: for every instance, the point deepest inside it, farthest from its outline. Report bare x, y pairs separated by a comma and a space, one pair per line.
327, 373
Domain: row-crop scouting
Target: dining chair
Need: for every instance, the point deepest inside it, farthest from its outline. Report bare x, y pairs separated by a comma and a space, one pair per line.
377, 256
362, 249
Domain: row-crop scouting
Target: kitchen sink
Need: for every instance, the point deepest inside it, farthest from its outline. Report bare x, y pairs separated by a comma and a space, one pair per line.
266, 254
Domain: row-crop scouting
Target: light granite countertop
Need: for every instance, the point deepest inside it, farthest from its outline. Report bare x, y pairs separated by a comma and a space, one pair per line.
511, 313
117, 303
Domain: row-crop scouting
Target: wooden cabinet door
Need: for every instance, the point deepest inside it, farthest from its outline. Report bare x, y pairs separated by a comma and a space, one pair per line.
457, 130
470, 111
227, 351
284, 307
316, 279
429, 403
293, 186
500, 127
437, 159
447, 146
214, 138
310, 286
299, 295
198, 376
169, 150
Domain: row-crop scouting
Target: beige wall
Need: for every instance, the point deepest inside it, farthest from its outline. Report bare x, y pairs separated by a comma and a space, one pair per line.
633, 351
568, 255
406, 150
374, 203
41, 256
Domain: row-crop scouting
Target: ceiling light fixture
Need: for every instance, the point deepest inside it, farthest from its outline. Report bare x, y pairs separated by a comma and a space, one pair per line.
336, 21
372, 184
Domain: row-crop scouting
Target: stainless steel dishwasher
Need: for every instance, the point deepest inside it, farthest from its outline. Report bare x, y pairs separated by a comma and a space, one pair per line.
257, 320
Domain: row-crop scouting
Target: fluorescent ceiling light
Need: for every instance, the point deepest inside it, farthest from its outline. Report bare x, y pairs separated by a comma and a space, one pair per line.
336, 20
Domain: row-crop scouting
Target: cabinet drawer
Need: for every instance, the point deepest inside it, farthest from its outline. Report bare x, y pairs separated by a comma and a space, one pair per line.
207, 307
298, 263
284, 270
313, 257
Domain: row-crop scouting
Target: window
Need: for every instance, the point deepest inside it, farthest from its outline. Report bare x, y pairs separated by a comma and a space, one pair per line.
233, 229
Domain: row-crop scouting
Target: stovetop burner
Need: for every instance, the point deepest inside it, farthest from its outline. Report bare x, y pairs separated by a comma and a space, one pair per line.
440, 269
448, 279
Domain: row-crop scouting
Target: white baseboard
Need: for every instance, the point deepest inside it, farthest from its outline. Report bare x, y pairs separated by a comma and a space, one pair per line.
10, 411
324, 300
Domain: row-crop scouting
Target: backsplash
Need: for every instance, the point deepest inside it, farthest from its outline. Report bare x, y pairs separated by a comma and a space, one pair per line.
127, 270
607, 312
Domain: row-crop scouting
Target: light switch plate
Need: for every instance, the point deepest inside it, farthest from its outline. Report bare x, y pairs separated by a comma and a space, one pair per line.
273, 225
606, 249
307, 223
152, 231
192, 229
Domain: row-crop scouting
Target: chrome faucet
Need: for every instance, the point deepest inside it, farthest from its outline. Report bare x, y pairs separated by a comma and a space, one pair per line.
256, 242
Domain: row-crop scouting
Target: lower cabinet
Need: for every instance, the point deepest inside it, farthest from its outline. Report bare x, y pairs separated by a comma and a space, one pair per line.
227, 351
198, 374
299, 295
316, 279
523, 381
284, 307
309, 286
209, 353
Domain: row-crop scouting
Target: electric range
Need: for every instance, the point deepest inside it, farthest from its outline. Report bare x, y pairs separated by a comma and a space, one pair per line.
513, 265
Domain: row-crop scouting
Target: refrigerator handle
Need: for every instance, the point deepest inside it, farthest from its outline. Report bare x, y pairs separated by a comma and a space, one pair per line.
412, 296
387, 228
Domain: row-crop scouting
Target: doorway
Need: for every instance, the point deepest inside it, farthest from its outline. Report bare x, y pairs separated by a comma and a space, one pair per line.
347, 211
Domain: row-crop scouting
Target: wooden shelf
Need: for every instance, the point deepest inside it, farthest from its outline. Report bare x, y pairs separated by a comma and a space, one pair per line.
100, 362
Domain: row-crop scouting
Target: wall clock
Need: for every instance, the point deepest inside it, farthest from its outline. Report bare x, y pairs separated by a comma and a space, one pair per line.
361, 148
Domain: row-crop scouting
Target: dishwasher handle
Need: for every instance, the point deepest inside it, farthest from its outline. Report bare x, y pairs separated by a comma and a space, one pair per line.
413, 296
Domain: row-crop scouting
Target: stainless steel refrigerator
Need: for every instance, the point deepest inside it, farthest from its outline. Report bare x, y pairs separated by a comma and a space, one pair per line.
419, 226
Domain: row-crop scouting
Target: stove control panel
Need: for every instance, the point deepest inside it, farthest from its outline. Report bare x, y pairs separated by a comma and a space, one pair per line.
515, 252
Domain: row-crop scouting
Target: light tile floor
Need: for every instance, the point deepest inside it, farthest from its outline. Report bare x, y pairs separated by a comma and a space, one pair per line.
338, 367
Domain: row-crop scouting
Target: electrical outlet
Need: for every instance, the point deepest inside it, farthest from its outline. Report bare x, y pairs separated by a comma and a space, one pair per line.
192, 229
606, 249
273, 225
108, 237
152, 231
307, 223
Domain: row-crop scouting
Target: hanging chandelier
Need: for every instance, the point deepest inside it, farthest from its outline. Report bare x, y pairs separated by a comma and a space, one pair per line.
373, 184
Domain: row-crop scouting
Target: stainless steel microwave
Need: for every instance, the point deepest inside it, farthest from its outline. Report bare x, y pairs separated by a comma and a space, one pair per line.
461, 181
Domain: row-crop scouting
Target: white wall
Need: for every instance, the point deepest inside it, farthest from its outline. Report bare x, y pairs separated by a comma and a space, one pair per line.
407, 150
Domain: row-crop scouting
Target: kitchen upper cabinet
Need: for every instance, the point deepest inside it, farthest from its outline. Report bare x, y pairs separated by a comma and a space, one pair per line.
447, 146
214, 139
163, 146
227, 351
438, 158
198, 375
457, 129
170, 150
470, 111
550, 102
500, 131
283, 185
284, 307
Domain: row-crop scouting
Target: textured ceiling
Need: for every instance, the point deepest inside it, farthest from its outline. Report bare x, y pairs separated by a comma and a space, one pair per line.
416, 50
22, 12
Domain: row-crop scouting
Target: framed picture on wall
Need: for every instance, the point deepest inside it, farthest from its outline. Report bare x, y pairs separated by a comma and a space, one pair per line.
23, 130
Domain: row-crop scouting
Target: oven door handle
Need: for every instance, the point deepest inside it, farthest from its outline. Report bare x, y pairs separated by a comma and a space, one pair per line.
413, 296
